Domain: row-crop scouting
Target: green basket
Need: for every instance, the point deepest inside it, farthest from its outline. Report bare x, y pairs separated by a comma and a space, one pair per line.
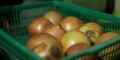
15, 19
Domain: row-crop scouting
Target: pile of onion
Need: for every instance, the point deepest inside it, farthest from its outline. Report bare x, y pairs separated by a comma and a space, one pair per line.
53, 37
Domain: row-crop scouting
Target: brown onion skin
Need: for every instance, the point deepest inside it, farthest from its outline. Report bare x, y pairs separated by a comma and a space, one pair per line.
52, 52
38, 25
45, 45
79, 47
94, 26
92, 30
53, 16
70, 38
55, 31
76, 48
71, 23
106, 36
38, 39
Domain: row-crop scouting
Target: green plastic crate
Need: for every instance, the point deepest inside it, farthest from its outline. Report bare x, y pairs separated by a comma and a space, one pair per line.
15, 19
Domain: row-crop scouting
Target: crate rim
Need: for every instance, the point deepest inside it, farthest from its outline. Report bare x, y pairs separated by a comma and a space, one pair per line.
87, 11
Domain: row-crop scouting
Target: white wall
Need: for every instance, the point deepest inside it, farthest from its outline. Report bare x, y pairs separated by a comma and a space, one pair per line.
117, 5
117, 8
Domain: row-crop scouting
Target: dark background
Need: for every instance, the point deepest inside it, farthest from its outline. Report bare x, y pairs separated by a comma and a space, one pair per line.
108, 8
